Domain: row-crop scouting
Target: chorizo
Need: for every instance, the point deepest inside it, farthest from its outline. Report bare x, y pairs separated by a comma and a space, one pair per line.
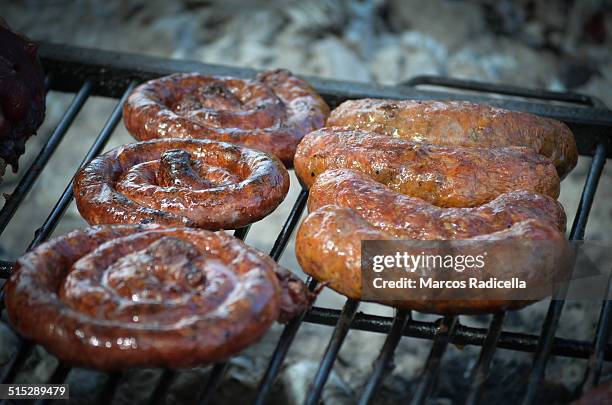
347, 208
120, 296
270, 113
461, 123
442, 175
192, 182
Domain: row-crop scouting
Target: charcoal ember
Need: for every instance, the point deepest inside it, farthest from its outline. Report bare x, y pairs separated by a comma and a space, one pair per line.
22, 94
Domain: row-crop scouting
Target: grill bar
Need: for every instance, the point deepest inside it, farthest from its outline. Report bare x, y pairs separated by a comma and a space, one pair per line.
432, 366
280, 352
34, 171
331, 352
112, 71
383, 364
480, 372
556, 306
241, 233
588, 193
161, 387
290, 330
463, 336
602, 335
502, 89
96, 148
57, 212
106, 393
294, 218
24, 349
214, 379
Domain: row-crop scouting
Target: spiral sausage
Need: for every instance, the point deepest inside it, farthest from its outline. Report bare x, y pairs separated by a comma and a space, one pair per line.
443, 176
271, 113
191, 182
461, 123
347, 207
115, 297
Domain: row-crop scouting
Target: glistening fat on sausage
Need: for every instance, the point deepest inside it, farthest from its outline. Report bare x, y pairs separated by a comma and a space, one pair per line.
460, 123
270, 113
348, 207
116, 297
447, 176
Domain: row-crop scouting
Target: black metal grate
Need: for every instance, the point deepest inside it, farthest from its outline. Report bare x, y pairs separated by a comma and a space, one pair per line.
88, 72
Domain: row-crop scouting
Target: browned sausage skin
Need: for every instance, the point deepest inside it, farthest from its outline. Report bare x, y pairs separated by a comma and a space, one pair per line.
349, 207
114, 297
192, 182
461, 123
441, 175
270, 113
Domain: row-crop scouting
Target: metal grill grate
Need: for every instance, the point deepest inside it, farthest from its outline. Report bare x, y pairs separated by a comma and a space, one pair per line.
88, 72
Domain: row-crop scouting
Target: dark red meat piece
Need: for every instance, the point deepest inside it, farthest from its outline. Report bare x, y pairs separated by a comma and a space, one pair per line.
22, 93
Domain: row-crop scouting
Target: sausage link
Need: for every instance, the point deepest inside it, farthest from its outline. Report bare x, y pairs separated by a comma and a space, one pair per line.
461, 123
406, 217
328, 247
191, 182
122, 296
444, 176
270, 113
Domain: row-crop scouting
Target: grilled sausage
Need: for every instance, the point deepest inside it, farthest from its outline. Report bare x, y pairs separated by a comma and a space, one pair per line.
347, 208
407, 217
191, 182
271, 113
444, 176
461, 123
115, 297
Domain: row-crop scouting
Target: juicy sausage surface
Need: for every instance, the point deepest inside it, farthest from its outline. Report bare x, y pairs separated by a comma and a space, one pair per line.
461, 123
407, 217
116, 297
347, 208
270, 113
191, 182
444, 176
